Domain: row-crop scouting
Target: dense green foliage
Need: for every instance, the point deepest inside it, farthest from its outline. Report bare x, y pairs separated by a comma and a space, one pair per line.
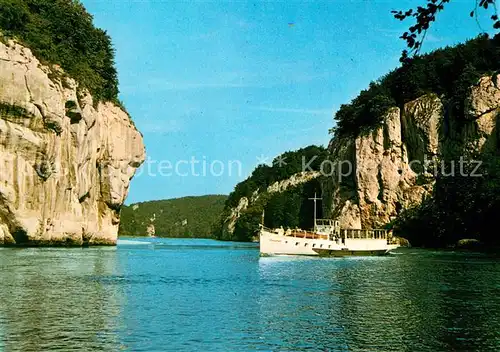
181, 217
265, 175
447, 72
61, 32
462, 206
293, 208
289, 209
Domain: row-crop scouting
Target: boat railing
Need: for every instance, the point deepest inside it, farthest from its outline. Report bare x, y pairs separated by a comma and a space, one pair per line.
364, 234
342, 233
299, 233
306, 234
325, 222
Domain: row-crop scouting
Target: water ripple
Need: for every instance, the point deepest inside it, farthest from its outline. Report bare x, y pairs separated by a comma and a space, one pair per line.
207, 296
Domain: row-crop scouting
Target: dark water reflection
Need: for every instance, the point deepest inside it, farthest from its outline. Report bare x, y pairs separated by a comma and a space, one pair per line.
187, 295
49, 299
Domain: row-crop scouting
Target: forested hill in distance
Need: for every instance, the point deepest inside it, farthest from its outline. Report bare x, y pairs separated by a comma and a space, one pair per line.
187, 217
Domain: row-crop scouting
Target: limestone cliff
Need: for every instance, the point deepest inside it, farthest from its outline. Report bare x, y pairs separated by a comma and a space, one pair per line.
393, 167
66, 160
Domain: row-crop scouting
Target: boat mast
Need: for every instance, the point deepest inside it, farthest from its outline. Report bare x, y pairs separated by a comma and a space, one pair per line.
315, 199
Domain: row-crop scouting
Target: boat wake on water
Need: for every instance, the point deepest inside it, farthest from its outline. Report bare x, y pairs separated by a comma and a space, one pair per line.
131, 242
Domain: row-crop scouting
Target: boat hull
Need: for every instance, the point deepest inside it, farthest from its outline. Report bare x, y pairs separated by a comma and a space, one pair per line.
348, 253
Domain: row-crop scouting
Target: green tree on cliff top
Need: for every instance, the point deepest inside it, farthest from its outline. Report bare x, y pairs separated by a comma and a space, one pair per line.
61, 32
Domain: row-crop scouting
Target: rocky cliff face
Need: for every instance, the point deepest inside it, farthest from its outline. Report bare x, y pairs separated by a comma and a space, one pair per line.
393, 167
66, 161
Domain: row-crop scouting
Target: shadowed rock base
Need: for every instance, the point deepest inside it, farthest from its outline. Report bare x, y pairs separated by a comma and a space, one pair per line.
63, 240
44, 243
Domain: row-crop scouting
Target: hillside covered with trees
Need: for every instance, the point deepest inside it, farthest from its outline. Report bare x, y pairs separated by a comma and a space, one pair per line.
290, 208
181, 217
461, 206
61, 32
447, 72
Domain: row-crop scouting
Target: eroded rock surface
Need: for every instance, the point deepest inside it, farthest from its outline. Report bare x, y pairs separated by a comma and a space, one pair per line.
66, 161
394, 166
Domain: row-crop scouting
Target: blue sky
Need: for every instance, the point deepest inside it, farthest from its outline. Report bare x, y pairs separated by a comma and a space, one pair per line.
244, 81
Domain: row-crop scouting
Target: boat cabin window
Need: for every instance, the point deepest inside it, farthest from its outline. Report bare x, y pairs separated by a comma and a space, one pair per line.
364, 234
296, 243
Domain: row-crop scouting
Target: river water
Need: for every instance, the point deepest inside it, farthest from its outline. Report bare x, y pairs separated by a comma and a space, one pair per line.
203, 295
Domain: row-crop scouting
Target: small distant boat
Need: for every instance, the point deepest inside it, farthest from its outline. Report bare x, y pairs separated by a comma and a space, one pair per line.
327, 239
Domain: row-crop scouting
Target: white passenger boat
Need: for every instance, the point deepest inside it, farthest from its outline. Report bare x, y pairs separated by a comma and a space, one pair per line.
326, 239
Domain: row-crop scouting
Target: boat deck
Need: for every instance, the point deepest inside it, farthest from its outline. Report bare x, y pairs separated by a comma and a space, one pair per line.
340, 233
